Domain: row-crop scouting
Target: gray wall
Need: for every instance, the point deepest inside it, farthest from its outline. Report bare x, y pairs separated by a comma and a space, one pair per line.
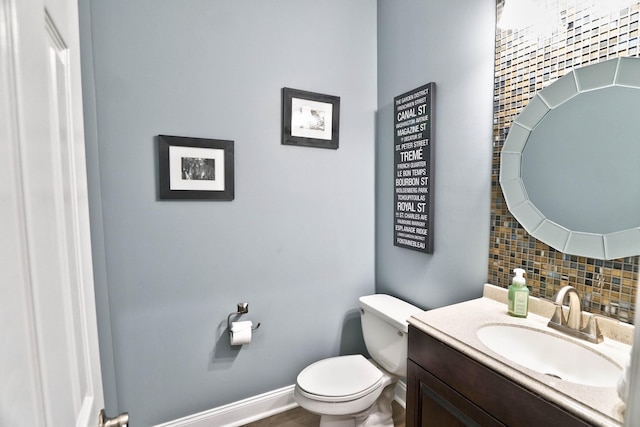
450, 43
297, 242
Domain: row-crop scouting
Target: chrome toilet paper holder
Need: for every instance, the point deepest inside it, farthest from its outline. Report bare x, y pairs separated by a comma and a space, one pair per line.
243, 308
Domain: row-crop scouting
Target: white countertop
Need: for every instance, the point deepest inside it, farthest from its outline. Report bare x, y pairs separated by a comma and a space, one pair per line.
456, 325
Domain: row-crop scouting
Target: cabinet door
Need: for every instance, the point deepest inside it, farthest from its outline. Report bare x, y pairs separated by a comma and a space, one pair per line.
430, 402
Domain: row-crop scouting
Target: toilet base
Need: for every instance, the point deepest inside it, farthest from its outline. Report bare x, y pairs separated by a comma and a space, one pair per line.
380, 414
337, 421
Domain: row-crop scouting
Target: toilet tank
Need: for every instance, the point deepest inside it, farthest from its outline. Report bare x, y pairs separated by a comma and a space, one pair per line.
385, 330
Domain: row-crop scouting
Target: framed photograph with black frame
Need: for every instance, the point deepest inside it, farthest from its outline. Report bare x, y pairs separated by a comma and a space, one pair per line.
195, 168
310, 119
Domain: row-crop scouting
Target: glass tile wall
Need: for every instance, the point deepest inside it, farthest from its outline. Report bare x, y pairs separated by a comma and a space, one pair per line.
582, 32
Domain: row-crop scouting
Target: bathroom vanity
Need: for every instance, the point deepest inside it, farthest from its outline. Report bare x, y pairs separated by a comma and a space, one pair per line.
455, 380
448, 388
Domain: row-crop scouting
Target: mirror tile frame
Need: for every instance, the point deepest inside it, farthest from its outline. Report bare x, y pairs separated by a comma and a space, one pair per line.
622, 73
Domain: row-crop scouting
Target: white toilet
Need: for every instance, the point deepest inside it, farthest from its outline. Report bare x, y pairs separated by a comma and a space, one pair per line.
350, 391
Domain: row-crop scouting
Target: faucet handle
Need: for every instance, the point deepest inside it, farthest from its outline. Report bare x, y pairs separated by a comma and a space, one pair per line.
593, 330
558, 316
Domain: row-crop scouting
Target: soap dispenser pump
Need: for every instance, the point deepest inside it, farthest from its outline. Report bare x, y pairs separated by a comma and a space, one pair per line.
518, 295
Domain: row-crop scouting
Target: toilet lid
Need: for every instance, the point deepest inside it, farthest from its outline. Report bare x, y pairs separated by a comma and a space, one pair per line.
340, 376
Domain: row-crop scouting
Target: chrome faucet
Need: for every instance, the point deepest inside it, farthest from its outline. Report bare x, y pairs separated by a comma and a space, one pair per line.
572, 324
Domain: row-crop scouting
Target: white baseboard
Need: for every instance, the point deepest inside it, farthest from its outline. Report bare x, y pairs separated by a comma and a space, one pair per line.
254, 408
240, 412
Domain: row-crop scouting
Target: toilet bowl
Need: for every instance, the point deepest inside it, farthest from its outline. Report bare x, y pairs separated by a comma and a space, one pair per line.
340, 385
353, 391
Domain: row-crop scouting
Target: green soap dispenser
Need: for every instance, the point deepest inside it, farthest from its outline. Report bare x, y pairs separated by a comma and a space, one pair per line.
518, 295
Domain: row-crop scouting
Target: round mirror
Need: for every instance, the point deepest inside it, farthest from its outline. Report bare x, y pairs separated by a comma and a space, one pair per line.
570, 166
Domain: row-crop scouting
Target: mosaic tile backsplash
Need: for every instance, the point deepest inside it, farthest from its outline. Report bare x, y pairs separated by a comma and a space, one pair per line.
582, 32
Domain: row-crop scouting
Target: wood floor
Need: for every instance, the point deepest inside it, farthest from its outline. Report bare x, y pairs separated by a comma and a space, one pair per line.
298, 417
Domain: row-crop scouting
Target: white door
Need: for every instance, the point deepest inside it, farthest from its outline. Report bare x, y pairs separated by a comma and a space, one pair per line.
49, 361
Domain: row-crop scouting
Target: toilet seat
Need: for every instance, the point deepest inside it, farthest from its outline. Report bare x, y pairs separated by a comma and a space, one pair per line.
340, 379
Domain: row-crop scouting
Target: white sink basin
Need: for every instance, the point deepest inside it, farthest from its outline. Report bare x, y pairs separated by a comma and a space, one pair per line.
551, 355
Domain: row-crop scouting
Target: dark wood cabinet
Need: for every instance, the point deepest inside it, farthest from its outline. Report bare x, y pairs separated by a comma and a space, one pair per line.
447, 388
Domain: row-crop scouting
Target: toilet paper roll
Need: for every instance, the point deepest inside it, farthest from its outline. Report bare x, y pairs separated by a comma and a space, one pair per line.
241, 332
